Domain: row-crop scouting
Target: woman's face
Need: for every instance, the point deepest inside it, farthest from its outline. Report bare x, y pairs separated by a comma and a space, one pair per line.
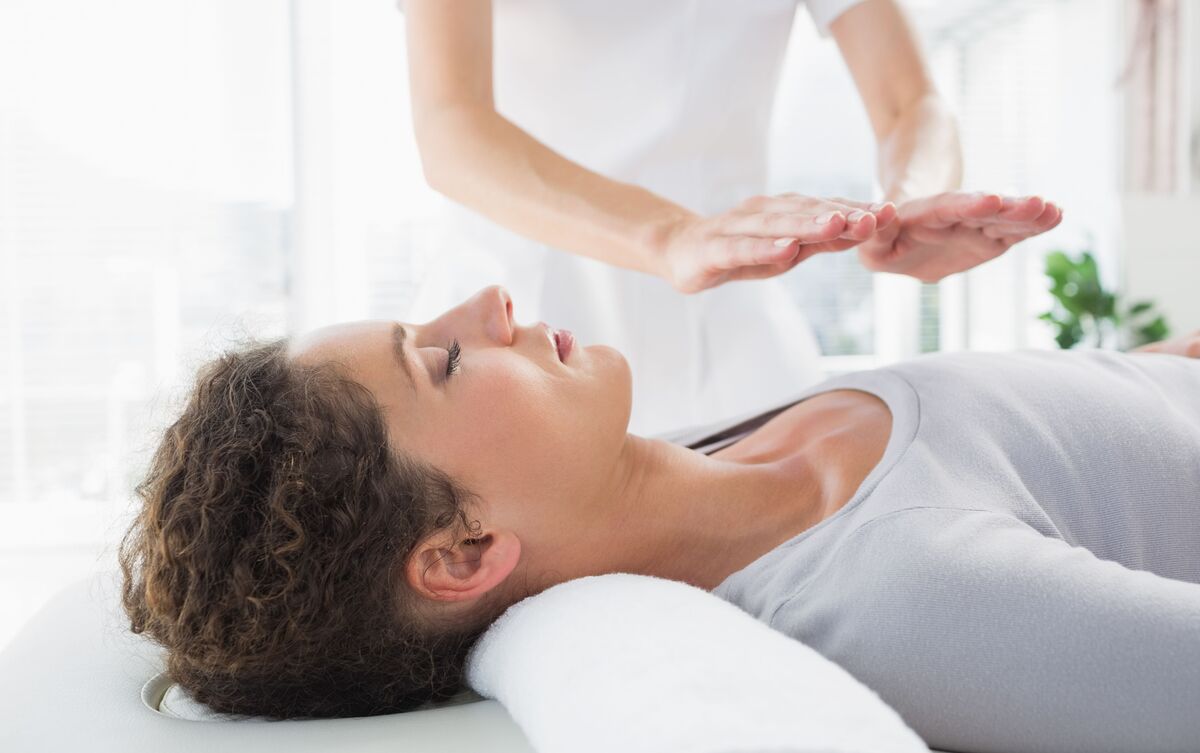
532, 435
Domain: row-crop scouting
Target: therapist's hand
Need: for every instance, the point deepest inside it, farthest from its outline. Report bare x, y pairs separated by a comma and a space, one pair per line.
938, 235
763, 236
1183, 345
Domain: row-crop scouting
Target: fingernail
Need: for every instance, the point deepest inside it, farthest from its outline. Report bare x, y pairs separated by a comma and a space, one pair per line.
826, 218
879, 207
856, 215
781, 242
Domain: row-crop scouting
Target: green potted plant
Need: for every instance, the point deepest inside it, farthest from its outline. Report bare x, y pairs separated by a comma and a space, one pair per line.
1084, 312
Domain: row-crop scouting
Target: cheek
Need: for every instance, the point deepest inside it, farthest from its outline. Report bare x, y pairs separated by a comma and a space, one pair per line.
500, 427
510, 430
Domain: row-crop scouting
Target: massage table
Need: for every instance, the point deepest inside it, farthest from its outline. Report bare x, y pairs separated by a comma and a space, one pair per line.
76, 679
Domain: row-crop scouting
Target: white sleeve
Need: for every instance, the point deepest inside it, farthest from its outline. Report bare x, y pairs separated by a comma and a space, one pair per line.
823, 12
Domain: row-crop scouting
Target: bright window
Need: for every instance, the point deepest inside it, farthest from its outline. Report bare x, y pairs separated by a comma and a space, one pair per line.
145, 198
174, 174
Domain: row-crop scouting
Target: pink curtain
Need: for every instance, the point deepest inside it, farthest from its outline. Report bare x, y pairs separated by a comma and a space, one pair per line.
1152, 82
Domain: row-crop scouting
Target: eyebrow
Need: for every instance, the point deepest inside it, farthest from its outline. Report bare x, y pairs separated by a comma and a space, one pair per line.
399, 335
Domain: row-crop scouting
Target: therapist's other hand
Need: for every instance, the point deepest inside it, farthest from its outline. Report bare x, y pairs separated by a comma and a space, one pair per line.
1183, 345
763, 236
936, 236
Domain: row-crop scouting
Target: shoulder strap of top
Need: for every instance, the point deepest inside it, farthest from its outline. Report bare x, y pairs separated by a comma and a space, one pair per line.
708, 438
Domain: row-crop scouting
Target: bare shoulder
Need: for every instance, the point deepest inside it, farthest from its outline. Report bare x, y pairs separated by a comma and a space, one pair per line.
843, 433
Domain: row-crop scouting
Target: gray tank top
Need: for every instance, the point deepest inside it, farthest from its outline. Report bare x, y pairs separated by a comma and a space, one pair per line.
1021, 570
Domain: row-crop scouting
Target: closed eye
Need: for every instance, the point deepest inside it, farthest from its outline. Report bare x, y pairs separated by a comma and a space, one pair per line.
454, 351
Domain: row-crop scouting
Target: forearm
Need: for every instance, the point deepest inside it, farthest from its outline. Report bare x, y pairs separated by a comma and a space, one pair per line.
921, 154
480, 159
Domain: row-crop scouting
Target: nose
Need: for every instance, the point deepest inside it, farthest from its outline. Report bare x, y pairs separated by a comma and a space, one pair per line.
497, 305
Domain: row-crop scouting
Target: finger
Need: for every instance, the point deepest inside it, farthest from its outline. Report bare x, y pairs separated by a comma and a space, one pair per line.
809, 250
1020, 208
1009, 230
865, 219
805, 250
1045, 214
732, 252
1013, 240
760, 271
772, 225
1049, 218
874, 207
884, 211
860, 225
946, 209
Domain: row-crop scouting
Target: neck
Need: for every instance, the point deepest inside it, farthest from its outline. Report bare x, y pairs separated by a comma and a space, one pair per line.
685, 516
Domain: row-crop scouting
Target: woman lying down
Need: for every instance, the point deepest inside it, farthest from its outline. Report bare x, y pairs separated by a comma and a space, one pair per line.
1006, 547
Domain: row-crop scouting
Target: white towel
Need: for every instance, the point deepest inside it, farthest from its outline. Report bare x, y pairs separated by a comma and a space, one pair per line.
635, 663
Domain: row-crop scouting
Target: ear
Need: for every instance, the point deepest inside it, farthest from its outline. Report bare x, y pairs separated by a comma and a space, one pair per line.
462, 570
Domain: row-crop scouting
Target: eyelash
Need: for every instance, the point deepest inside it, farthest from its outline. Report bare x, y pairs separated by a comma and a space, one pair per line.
452, 361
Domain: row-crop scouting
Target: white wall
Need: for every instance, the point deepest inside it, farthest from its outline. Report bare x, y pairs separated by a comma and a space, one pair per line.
1161, 255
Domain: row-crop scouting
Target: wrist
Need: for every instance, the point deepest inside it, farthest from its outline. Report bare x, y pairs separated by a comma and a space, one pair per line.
921, 155
899, 192
657, 237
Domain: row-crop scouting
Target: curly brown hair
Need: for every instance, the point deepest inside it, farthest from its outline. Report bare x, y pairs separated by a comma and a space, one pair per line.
268, 554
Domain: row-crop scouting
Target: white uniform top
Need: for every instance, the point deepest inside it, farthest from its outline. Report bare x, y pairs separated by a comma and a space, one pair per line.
674, 96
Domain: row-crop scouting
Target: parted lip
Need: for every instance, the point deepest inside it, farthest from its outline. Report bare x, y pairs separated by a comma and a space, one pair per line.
565, 342
561, 339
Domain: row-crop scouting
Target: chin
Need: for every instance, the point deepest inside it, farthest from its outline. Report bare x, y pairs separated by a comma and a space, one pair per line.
616, 355
615, 378
625, 378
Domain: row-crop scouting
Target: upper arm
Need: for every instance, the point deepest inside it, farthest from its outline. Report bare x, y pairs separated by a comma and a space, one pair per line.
885, 59
449, 58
